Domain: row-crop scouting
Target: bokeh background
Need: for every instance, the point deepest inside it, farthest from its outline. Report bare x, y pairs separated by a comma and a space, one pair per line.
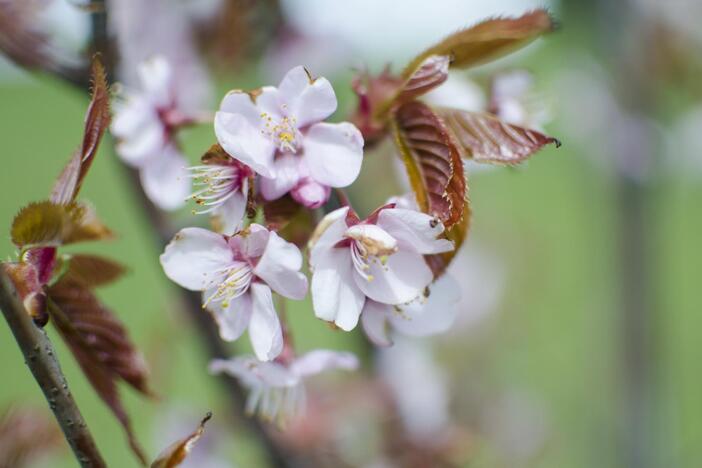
578, 343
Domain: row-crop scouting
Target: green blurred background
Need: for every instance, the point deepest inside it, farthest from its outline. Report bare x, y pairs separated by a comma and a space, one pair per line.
561, 335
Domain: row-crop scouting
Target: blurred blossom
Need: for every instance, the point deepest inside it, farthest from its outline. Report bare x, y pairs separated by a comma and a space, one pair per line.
160, 27
419, 387
682, 16
458, 92
175, 423
614, 138
146, 119
276, 389
27, 435
280, 133
513, 99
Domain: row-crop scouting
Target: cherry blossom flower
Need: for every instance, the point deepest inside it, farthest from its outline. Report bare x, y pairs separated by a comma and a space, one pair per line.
144, 123
379, 258
221, 189
514, 101
276, 388
279, 133
236, 275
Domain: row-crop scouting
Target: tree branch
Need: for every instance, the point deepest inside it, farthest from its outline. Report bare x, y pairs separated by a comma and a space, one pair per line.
40, 357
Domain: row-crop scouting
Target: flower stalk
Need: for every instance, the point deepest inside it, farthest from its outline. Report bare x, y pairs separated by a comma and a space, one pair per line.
40, 357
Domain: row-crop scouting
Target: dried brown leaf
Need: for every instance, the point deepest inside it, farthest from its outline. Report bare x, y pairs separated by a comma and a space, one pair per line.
97, 119
176, 453
485, 138
432, 161
487, 40
101, 346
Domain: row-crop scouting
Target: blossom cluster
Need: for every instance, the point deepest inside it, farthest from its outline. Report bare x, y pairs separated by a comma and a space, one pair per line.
275, 142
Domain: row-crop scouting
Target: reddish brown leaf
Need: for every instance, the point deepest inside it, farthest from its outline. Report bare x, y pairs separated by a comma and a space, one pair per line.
26, 435
485, 138
86, 226
487, 40
432, 161
25, 278
176, 453
91, 271
97, 119
101, 346
457, 233
432, 72
216, 155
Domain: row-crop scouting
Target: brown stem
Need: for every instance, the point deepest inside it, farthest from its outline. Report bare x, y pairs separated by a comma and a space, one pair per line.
40, 357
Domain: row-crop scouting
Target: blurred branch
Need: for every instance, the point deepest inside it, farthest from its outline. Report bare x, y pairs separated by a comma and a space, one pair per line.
40, 357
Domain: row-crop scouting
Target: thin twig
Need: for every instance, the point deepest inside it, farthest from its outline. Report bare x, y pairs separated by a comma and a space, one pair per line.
40, 357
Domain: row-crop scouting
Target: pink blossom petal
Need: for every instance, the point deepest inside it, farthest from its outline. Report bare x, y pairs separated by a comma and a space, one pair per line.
414, 230
320, 360
233, 319
334, 153
309, 101
264, 328
287, 175
335, 296
244, 142
193, 256
165, 180
279, 268
144, 145
310, 193
401, 279
252, 244
374, 322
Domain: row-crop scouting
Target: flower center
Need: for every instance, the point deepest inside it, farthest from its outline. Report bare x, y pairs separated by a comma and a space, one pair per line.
363, 258
236, 281
284, 133
214, 185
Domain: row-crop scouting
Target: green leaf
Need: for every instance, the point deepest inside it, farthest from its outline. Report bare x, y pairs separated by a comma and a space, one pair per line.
432, 161
487, 41
485, 138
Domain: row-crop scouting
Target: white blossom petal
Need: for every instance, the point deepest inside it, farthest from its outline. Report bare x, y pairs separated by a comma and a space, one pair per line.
244, 142
374, 322
432, 315
279, 267
252, 244
415, 230
230, 215
144, 145
320, 360
233, 319
401, 279
309, 101
192, 257
264, 328
165, 180
287, 175
335, 296
334, 153
328, 232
